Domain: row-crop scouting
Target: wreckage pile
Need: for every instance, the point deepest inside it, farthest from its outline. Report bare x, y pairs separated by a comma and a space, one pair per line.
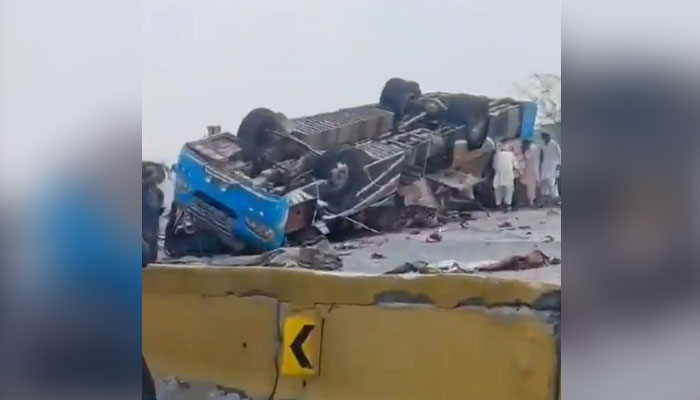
412, 160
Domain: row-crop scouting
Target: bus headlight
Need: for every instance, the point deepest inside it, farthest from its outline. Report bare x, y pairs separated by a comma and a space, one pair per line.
260, 229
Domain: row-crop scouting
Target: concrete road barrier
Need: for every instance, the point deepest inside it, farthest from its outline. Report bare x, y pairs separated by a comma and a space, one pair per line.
269, 333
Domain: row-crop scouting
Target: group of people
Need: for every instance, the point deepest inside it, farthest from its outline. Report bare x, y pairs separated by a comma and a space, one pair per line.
536, 170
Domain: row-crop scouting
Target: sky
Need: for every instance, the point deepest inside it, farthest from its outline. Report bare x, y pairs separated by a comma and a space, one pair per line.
210, 62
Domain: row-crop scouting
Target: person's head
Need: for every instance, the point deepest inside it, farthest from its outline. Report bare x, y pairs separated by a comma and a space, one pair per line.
546, 137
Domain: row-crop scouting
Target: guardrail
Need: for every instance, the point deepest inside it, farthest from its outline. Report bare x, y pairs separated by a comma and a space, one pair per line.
270, 333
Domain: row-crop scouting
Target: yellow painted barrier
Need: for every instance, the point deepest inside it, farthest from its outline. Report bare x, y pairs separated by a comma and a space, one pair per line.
351, 337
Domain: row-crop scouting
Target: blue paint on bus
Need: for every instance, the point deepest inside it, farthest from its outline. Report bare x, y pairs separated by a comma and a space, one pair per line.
252, 219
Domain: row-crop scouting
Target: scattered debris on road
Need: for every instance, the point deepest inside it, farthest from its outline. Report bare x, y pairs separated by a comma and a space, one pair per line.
434, 237
421, 267
321, 257
533, 260
350, 245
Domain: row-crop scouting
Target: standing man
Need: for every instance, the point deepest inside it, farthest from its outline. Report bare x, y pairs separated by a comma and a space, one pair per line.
504, 178
531, 174
551, 159
152, 175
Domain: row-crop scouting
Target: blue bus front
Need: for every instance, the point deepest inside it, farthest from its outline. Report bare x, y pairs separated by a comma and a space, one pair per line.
245, 219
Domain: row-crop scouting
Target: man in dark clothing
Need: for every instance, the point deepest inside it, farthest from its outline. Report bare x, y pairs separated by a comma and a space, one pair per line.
151, 210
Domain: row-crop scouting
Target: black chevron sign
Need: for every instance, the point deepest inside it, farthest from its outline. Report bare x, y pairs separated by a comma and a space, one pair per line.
298, 341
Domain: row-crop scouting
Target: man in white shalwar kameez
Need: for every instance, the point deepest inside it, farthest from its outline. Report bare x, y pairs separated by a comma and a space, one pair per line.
531, 172
551, 159
504, 165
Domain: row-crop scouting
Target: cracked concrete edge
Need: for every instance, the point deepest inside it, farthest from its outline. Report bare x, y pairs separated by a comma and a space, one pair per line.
307, 288
502, 300
501, 315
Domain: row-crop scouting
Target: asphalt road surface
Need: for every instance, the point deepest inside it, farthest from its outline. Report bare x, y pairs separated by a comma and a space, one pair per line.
484, 239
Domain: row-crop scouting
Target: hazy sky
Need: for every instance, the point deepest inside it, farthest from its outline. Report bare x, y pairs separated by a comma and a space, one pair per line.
210, 62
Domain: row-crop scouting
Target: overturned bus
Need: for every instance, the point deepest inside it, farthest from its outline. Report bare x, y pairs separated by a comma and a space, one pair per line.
280, 179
